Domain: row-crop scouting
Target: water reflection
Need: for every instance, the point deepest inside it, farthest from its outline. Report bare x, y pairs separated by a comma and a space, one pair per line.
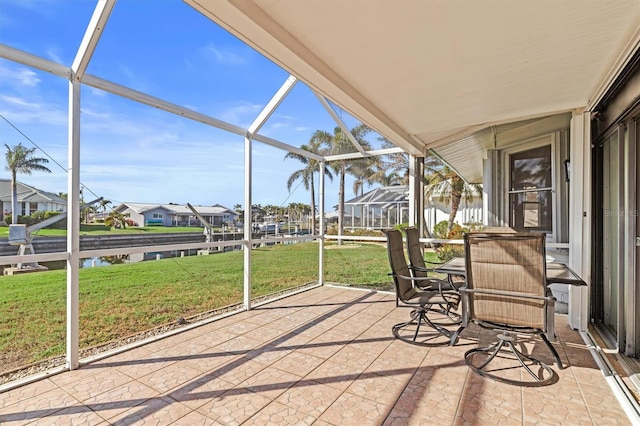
92, 262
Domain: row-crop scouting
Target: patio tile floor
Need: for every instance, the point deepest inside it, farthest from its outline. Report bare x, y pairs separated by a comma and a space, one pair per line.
333, 361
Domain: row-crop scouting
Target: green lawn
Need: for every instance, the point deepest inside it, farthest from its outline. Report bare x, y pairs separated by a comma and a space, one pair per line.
120, 300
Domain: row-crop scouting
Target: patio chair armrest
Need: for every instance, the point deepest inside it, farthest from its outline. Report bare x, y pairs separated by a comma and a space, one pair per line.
466, 290
415, 284
414, 279
421, 269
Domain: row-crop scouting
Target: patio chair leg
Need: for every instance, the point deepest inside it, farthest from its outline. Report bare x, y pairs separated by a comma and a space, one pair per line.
437, 327
519, 356
415, 335
455, 336
505, 340
553, 350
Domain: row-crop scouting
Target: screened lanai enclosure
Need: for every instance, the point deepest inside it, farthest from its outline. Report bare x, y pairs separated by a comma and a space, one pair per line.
202, 100
98, 132
380, 208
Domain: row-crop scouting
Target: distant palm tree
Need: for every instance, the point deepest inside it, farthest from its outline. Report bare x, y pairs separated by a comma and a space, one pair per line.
393, 168
307, 172
116, 219
449, 186
339, 143
20, 160
366, 171
104, 203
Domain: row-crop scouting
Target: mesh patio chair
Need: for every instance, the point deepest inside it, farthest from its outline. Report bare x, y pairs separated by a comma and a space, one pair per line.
424, 269
507, 291
409, 294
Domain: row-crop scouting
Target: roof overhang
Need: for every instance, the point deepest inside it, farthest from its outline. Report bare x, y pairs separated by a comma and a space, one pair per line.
428, 74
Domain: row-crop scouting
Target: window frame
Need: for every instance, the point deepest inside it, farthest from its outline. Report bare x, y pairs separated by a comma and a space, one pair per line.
545, 140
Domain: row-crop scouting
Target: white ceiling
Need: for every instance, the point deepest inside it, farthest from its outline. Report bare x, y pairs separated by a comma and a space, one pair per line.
428, 73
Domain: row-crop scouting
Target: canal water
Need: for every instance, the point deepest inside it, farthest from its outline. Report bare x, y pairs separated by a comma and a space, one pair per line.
93, 262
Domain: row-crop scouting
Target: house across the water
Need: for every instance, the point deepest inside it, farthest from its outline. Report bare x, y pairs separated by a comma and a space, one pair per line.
150, 214
30, 199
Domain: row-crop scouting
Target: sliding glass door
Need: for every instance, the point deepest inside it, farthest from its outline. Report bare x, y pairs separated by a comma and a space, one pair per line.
616, 244
612, 219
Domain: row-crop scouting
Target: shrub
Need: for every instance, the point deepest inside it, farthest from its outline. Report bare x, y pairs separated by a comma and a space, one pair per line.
440, 230
360, 232
447, 252
36, 217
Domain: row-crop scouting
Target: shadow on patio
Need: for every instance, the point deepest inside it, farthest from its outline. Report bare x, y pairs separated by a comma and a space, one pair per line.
325, 356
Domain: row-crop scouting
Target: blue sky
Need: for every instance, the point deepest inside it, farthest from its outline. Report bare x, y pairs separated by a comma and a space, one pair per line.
132, 152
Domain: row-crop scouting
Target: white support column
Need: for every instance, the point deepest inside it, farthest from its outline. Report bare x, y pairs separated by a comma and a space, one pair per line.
412, 191
272, 105
580, 218
416, 193
251, 132
73, 228
83, 56
91, 37
248, 218
321, 224
419, 188
341, 123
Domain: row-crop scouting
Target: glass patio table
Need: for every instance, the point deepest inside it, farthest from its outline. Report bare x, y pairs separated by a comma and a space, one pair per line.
557, 273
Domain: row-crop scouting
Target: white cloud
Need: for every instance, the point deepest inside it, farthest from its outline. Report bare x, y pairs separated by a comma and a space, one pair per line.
241, 113
19, 102
223, 56
18, 75
32, 4
53, 55
19, 111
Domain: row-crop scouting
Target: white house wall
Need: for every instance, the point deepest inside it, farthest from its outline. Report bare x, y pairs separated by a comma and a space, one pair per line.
468, 212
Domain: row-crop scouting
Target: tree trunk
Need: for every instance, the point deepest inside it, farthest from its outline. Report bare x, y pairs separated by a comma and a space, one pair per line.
455, 204
14, 198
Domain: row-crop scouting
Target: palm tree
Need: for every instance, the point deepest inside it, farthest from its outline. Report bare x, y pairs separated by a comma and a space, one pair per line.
103, 205
20, 160
339, 143
366, 171
307, 172
393, 168
449, 186
116, 219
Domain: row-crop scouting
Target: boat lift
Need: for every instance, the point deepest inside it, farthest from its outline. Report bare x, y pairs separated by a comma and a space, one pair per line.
20, 234
208, 229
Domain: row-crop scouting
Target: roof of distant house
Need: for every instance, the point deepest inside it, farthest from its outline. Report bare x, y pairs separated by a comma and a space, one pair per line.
28, 193
140, 208
383, 195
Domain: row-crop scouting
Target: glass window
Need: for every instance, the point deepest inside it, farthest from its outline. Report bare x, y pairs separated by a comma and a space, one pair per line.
158, 215
530, 189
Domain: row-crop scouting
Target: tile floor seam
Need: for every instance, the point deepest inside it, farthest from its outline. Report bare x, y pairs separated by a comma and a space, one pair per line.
78, 401
578, 384
399, 394
311, 415
406, 384
59, 388
522, 405
467, 377
584, 399
342, 392
198, 391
